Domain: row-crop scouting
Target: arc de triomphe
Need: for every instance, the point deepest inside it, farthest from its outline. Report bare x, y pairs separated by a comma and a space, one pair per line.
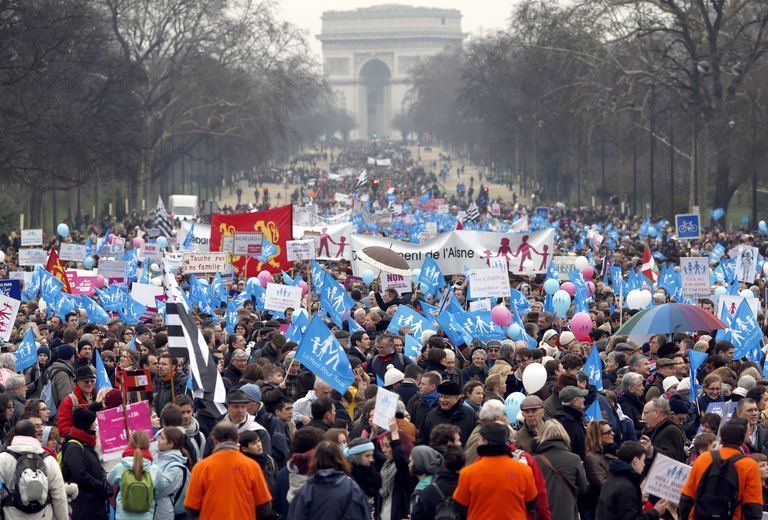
368, 52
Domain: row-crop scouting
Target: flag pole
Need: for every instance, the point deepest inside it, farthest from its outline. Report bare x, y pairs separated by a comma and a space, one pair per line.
309, 292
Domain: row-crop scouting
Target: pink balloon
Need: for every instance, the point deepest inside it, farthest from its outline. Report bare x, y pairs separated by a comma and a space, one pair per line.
110, 238
264, 277
501, 316
100, 281
590, 289
138, 242
588, 272
304, 287
581, 325
569, 288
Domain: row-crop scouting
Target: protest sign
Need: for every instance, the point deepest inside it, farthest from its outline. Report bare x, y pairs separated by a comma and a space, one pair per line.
118, 244
247, 243
300, 250
205, 263
732, 302
688, 226
32, 257
11, 288
151, 251
480, 305
201, 236
666, 478
9, 307
397, 282
331, 240
694, 272
137, 380
31, 237
280, 297
564, 265
81, 284
146, 294
525, 253
112, 270
746, 264
385, 407
488, 283
111, 424
72, 252
173, 259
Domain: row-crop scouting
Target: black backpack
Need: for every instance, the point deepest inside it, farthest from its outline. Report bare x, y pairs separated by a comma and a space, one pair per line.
717, 494
444, 510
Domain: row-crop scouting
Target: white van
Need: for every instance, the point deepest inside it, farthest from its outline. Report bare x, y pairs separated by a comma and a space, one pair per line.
183, 207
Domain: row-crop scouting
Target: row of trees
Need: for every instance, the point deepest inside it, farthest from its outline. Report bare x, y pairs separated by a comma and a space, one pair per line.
107, 100
662, 102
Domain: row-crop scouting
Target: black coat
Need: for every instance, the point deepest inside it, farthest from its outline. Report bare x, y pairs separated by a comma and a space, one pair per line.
407, 390
418, 409
620, 497
329, 494
573, 422
669, 439
632, 407
460, 415
163, 394
426, 502
80, 465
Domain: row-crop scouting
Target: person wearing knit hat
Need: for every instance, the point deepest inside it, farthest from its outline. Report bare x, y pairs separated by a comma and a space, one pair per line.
392, 377
670, 384
253, 393
34, 373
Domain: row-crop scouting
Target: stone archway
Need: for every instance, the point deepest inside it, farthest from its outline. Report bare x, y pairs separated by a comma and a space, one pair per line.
375, 97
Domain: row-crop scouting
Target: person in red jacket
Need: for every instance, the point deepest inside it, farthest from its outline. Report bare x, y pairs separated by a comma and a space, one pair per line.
83, 396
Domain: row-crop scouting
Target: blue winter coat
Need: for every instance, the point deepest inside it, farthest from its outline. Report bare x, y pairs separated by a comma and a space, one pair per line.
116, 475
173, 476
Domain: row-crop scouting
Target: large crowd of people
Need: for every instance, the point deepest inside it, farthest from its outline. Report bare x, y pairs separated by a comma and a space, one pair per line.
290, 445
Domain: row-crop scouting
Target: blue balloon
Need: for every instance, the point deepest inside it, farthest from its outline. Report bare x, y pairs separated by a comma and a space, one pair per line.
367, 276
88, 262
514, 332
747, 294
720, 291
162, 242
551, 286
63, 230
561, 301
652, 231
512, 405
415, 274
762, 226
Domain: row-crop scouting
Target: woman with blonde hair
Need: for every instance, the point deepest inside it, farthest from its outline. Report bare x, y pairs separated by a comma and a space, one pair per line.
495, 387
137, 479
600, 448
563, 471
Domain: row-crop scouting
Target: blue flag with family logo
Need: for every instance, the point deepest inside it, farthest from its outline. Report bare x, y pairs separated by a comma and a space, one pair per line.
93, 310
102, 379
594, 368
479, 325
335, 300
518, 301
323, 355
593, 413
318, 278
231, 316
132, 312
428, 310
412, 348
453, 329
406, 317
26, 354
50, 286
696, 359
746, 335
431, 278
268, 250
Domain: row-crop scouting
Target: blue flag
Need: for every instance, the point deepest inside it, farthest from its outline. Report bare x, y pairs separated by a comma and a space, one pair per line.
323, 355
268, 250
593, 413
518, 301
594, 368
26, 354
102, 380
190, 236
318, 278
50, 286
231, 317
696, 359
746, 334
431, 278
335, 300
412, 348
453, 329
93, 310
406, 317
132, 343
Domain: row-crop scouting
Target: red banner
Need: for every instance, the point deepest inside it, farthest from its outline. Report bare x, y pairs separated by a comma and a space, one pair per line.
54, 267
275, 224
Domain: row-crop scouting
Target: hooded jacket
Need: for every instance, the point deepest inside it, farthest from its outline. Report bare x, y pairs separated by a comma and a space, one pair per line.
67, 408
196, 438
62, 379
175, 477
329, 494
114, 477
620, 497
57, 508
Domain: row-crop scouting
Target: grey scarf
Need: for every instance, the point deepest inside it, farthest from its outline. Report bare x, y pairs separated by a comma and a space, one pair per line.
388, 473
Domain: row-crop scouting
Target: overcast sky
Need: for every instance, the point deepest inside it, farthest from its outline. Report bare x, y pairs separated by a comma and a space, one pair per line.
478, 16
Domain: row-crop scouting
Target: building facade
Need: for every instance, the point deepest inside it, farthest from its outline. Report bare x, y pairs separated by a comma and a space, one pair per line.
368, 52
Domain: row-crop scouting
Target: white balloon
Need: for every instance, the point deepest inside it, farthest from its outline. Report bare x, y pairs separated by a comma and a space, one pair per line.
154, 267
158, 280
534, 377
634, 299
646, 298
2, 257
747, 294
765, 266
581, 263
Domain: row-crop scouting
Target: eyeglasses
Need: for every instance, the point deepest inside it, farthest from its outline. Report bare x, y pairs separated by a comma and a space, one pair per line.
607, 432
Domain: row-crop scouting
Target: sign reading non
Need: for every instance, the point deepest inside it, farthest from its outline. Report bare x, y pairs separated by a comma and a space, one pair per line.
247, 243
151, 251
205, 263
31, 237
72, 252
397, 282
280, 297
688, 226
300, 250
